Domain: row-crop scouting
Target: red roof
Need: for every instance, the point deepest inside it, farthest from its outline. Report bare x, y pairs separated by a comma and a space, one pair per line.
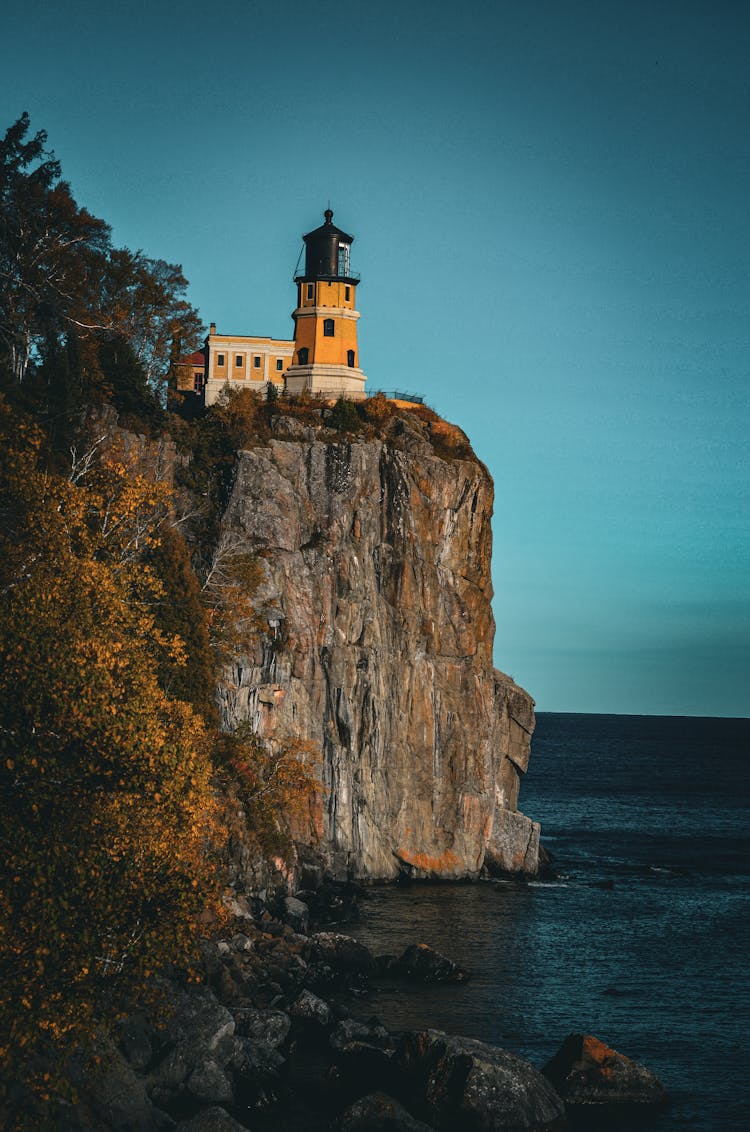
196, 359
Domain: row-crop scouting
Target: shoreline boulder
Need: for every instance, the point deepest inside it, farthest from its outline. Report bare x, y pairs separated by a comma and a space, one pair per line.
587, 1073
421, 963
378, 1112
467, 1084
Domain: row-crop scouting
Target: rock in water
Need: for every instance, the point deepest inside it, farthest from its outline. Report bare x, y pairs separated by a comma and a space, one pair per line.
514, 844
376, 599
340, 952
469, 1085
587, 1072
422, 963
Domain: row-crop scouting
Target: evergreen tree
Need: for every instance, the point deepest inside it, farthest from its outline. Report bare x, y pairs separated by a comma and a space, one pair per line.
51, 251
126, 380
344, 416
60, 275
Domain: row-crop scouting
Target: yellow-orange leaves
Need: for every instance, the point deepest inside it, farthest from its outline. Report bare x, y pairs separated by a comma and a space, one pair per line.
108, 815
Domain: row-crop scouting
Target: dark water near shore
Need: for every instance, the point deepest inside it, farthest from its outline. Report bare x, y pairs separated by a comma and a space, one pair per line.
657, 965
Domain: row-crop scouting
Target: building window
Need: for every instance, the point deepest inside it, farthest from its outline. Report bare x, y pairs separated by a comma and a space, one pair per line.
343, 259
279, 363
347, 294
310, 290
303, 355
328, 328
238, 361
350, 357
256, 361
197, 382
220, 359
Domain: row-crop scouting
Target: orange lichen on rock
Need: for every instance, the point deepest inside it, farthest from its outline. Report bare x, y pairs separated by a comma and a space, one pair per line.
604, 1058
441, 864
597, 1050
585, 1071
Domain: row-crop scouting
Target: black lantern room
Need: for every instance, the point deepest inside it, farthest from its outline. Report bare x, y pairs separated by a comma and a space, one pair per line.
327, 252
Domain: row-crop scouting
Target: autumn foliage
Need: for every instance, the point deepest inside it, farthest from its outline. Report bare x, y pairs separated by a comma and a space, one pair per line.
107, 810
273, 782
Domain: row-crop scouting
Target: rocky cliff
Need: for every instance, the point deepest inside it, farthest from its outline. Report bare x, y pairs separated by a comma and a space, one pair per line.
376, 596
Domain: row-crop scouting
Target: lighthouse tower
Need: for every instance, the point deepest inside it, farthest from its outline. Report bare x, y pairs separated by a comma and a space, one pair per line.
326, 356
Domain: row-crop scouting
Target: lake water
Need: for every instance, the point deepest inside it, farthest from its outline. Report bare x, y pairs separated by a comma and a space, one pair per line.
644, 939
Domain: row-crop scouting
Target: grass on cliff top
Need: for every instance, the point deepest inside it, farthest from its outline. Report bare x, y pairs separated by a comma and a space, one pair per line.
240, 419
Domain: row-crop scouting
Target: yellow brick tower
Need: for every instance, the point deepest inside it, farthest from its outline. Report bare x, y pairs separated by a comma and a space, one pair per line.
326, 356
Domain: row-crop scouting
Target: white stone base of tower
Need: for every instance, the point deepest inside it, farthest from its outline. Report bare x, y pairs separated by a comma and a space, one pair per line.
326, 381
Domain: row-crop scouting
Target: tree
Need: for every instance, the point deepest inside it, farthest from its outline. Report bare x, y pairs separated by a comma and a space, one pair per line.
182, 612
60, 275
344, 416
51, 251
146, 304
126, 380
109, 819
275, 782
228, 593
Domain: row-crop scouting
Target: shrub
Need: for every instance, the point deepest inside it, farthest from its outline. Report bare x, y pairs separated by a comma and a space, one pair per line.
344, 416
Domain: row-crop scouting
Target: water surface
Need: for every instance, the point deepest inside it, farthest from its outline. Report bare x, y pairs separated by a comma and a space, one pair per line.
643, 941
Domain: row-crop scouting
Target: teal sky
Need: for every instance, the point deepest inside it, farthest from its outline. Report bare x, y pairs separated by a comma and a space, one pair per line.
550, 202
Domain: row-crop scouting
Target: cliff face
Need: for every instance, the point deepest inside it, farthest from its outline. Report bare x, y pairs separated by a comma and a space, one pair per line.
376, 592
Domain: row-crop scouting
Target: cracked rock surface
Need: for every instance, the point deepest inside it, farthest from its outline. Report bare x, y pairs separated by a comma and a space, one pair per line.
376, 596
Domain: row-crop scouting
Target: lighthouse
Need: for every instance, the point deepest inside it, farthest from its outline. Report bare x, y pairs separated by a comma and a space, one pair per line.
326, 356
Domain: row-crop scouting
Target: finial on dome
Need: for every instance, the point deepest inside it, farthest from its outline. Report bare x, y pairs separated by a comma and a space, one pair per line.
328, 215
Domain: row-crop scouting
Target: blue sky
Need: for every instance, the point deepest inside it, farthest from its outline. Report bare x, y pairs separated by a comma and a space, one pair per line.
550, 205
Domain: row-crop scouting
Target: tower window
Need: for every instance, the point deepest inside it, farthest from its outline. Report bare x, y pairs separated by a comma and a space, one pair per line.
343, 261
279, 363
328, 328
220, 359
350, 357
302, 356
310, 290
256, 361
347, 294
238, 360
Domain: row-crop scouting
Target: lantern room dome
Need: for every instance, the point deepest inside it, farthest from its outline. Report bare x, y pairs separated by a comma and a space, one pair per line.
327, 251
